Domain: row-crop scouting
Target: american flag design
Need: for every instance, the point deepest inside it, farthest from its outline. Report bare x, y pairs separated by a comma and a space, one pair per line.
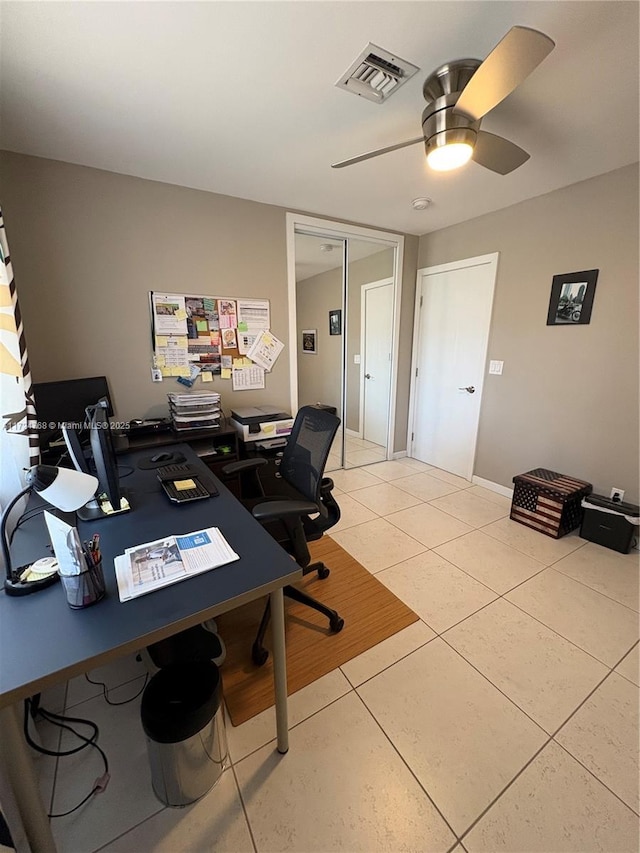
548, 501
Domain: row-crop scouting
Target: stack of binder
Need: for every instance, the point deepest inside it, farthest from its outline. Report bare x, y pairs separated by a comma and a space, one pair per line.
194, 411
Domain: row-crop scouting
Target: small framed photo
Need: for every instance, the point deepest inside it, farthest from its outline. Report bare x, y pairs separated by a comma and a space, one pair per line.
335, 322
572, 298
309, 340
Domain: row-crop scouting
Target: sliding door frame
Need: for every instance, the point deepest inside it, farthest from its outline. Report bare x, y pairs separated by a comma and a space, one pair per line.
340, 230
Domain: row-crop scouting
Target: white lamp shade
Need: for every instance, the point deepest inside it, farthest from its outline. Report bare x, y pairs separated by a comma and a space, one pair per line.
70, 490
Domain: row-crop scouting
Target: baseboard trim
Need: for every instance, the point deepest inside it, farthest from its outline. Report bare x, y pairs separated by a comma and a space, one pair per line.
353, 433
493, 487
399, 454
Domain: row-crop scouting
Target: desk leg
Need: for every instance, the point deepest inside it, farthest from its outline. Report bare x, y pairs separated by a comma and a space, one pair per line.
18, 769
280, 669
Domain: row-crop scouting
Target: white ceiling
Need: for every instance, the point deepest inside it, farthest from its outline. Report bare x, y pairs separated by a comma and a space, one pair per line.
314, 257
239, 98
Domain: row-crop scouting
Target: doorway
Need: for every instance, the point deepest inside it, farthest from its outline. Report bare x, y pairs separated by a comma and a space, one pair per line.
376, 344
333, 270
451, 334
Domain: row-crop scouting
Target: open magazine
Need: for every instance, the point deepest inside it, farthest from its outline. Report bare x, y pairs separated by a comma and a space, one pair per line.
153, 565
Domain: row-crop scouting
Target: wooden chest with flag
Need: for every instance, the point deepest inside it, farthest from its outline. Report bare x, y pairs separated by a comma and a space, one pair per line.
548, 501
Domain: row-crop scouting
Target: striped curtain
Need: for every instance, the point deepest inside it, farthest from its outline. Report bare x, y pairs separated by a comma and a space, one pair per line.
18, 435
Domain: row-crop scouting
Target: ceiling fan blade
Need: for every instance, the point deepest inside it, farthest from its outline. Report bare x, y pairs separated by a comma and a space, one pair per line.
375, 153
507, 66
498, 154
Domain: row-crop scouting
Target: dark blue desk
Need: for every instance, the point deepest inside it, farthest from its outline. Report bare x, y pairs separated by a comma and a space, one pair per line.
43, 641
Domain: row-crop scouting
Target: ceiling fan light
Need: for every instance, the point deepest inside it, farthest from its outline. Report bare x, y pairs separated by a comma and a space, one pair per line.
448, 157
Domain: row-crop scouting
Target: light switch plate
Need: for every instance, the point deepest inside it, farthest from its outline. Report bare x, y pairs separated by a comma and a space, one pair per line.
496, 367
356, 359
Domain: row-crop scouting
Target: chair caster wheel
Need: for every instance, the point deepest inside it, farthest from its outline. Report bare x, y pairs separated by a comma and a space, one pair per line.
336, 624
323, 573
259, 655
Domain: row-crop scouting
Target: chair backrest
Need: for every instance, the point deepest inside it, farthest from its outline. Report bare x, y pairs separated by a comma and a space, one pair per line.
307, 449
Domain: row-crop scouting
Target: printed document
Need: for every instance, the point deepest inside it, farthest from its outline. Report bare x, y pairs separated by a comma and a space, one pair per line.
265, 350
154, 565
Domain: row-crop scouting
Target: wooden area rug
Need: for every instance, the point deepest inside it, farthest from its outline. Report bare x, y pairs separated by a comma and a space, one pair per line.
370, 611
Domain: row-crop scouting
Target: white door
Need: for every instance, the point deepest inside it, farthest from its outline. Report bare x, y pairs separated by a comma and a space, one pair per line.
377, 334
453, 315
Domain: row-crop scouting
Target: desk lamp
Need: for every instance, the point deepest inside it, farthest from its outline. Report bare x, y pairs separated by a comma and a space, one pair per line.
63, 488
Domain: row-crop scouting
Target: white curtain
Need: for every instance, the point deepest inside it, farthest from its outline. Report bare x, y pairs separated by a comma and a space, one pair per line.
18, 435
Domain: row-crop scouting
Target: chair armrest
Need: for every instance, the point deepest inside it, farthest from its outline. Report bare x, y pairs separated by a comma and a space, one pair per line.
243, 465
273, 510
326, 485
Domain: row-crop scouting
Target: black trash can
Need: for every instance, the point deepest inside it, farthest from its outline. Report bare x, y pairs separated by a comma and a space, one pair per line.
183, 718
610, 523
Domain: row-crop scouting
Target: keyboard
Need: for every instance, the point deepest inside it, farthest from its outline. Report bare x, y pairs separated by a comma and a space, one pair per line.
169, 475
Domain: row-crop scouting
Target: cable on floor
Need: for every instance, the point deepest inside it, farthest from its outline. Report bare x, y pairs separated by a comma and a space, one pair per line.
105, 690
62, 722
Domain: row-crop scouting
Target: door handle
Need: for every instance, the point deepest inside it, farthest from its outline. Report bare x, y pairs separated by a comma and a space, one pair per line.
469, 388
368, 376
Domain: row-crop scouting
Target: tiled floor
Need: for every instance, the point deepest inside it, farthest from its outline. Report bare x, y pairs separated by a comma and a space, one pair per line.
506, 719
357, 452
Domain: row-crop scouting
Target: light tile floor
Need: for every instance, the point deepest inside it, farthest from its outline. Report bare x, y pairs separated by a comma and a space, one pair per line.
357, 452
506, 719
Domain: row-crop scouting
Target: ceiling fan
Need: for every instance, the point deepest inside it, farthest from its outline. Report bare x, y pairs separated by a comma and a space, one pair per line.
460, 93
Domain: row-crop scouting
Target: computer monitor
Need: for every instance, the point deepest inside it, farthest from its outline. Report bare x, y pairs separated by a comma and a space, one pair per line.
65, 402
110, 499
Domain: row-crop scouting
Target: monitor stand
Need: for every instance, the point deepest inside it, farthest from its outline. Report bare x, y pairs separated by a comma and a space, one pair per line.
100, 507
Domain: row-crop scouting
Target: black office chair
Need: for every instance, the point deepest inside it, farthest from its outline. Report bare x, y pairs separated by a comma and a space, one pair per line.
303, 508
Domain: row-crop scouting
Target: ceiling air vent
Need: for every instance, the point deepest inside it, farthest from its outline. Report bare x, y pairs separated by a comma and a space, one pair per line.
376, 74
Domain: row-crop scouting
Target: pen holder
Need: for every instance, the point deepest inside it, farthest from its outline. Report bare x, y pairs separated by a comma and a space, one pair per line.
84, 589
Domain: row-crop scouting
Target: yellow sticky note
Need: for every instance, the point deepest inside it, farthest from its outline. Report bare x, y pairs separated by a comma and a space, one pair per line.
161, 341
225, 373
238, 362
181, 341
182, 371
166, 371
160, 361
246, 362
206, 376
182, 485
180, 315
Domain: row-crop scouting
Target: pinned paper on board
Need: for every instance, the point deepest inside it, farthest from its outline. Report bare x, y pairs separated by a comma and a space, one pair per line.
190, 331
247, 378
265, 350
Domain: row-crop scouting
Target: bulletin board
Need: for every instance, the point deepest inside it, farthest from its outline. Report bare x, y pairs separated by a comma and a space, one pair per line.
202, 337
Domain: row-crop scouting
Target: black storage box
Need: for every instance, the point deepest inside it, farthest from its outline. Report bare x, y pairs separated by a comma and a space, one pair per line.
609, 523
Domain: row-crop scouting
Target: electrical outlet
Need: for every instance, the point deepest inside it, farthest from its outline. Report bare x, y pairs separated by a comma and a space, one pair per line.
617, 495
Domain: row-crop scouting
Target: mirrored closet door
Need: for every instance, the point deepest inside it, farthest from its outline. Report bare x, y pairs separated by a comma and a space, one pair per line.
345, 305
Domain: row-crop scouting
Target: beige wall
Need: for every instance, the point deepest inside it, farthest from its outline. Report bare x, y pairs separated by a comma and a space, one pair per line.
372, 268
319, 375
568, 397
403, 388
88, 245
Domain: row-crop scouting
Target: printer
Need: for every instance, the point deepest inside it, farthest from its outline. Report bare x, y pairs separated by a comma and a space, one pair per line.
255, 423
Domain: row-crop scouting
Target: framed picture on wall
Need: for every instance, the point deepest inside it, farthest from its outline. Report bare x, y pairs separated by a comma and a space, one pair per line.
309, 340
572, 298
335, 322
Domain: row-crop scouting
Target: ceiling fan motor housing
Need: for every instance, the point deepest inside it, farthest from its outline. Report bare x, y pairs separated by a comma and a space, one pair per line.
441, 90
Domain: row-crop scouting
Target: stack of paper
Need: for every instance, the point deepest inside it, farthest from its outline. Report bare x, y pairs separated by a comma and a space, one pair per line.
154, 565
195, 411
